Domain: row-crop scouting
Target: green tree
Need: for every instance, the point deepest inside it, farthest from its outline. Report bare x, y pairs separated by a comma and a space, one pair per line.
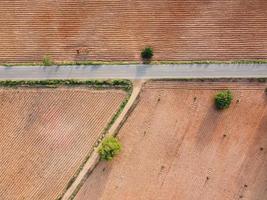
147, 53
223, 99
109, 148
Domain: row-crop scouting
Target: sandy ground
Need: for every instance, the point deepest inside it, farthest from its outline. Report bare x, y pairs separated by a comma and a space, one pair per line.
118, 29
45, 136
179, 147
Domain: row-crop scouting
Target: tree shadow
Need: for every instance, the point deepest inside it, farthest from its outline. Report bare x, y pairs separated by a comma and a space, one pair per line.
96, 182
207, 128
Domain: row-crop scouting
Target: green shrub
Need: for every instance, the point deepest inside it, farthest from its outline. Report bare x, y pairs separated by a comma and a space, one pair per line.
223, 99
147, 53
47, 61
109, 148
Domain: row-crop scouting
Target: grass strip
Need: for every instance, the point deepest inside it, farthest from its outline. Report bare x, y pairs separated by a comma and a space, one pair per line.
260, 79
256, 61
113, 83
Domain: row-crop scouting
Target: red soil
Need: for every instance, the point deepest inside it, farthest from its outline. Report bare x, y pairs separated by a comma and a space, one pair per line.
45, 136
182, 148
119, 29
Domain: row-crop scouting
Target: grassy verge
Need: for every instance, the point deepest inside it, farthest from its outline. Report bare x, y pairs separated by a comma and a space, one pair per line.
73, 63
256, 61
211, 62
115, 83
260, 80
119, 84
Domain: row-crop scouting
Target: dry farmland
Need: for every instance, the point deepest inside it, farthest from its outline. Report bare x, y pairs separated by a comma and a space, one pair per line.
179, 147
119, 29
46, 134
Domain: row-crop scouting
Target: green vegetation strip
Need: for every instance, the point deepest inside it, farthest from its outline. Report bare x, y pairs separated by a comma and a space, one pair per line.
49, 63
260, 80
211, 62
115, 83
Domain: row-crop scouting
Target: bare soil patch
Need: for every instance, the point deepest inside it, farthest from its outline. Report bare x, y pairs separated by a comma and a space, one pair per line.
46, 135
176, 145
118, 30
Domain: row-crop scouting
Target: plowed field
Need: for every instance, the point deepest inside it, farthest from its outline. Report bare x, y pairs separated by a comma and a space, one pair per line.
119, 29
45, 136
177, 146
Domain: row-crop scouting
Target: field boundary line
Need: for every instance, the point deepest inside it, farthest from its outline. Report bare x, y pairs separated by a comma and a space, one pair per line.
94, 158
136, 62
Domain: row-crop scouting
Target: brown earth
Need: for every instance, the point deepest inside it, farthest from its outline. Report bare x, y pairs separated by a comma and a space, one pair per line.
119, 29
46, 135
180, 148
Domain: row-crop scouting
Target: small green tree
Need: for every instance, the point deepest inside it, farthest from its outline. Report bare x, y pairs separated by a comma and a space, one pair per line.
109, 148
223, 99
147, 53
47, 61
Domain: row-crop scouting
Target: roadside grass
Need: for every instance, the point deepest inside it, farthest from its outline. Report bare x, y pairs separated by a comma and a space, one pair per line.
217, 79
47, 61
113, 83
260, 61
256, 61
71, 63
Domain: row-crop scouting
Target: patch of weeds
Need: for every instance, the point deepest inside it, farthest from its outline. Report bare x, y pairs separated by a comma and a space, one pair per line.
261, 80
118, 84
189, 62
47, 61
166, 62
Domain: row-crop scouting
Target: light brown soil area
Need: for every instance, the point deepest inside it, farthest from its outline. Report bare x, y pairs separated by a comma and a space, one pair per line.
178, 148
119, 29
46, 135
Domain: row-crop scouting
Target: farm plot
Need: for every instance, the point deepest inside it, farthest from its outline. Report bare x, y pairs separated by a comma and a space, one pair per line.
46, 134
176, 145
78, 30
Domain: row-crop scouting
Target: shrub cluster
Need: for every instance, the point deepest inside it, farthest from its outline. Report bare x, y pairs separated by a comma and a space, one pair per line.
223, 99
109, 148
123, 84
147, 53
